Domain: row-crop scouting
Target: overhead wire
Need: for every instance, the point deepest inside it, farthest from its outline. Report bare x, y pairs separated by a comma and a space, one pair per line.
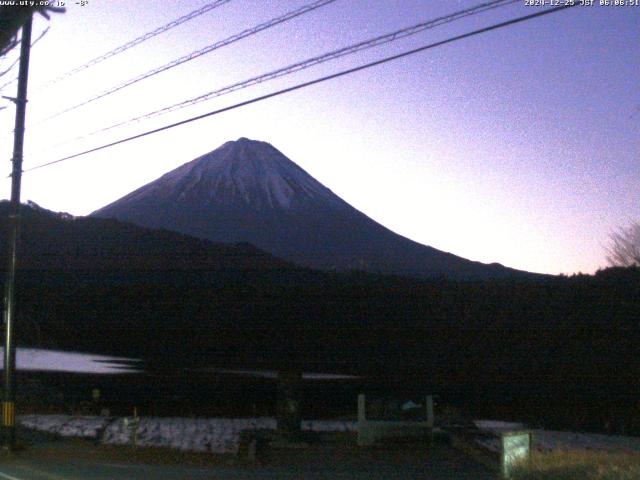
312, 82
15, 62
7, 70
13, 80
198, 53
304, 64
13, 43
137, 41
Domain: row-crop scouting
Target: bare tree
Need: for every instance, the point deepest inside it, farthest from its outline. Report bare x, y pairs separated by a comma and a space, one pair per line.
624, 246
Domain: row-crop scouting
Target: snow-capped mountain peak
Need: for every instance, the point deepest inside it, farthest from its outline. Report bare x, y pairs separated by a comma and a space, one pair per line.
247, 172
248, 191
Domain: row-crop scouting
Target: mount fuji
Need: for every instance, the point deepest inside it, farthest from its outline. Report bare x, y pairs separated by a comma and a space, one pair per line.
248, 191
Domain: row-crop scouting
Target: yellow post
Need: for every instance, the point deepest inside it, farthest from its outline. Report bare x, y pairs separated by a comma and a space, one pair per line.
8, 414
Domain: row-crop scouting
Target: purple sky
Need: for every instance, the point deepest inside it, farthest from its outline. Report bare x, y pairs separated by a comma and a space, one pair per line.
519, 146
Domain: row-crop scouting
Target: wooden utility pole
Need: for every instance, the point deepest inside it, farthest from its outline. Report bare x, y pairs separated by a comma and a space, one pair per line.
8, 400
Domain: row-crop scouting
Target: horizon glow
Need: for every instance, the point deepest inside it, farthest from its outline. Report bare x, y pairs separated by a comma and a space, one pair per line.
518, 146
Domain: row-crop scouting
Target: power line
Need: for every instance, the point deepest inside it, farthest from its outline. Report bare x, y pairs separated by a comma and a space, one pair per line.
312, 82
198, 53
349, 50
15, 62
10, 45
138, 40
14, 79
8, 69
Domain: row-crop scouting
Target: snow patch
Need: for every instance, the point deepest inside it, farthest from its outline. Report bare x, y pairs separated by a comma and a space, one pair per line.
216, 435
547, 440
498, 426
222, 435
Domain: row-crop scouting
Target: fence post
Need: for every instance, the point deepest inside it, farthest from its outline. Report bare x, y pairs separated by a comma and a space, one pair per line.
430, 416
361, 408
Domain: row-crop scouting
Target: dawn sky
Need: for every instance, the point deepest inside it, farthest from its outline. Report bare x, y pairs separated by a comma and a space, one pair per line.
518, 146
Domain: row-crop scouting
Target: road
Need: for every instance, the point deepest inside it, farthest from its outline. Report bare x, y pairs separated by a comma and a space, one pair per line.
23, 470
77, 460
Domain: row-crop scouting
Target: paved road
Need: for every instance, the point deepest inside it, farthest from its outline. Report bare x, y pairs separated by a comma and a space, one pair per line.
33, 470
73, 461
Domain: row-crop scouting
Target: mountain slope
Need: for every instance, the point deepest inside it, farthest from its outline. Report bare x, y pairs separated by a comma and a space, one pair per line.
247, 191
102, 286
62, 243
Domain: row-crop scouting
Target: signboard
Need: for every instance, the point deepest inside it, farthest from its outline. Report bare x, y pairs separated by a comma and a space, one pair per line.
515, 449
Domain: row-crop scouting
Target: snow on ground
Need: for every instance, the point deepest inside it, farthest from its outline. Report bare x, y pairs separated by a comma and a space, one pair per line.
498, 426
554, 440
222, 435
217, 435
65, 425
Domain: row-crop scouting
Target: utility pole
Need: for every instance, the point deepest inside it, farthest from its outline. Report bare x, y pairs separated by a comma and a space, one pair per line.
9, 397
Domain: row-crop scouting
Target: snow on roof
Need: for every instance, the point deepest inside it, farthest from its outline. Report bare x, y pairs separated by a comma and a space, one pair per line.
36, 359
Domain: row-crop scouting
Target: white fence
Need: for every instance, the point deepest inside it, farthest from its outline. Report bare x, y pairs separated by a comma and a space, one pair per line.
372, 430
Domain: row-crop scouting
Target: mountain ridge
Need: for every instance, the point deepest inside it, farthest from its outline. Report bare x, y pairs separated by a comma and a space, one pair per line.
249, 191
58, 241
